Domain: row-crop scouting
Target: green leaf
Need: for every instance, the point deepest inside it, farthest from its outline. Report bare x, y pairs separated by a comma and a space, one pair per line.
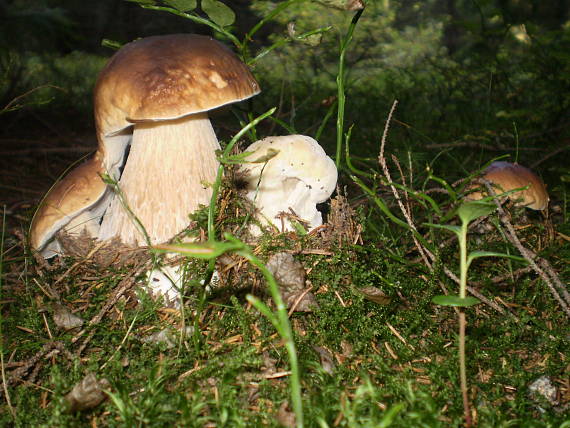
207, 250
232, 159
455, 301
113, 44
143, 2
476, 254
299, 229
218, 12
264, 309
271, 153
182, 5
469, 211
454, 229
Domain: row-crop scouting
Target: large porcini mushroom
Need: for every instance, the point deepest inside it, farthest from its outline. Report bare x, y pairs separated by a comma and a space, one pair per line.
298, 176
506, 176
163, 86
154, 92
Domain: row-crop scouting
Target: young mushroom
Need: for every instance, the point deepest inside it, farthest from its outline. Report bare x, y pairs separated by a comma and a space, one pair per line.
298, 176
162, 87
505, 176
75, 204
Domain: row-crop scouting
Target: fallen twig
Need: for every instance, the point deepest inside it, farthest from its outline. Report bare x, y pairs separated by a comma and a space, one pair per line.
48, 350
476, 145
384, 165
125, 284
427, 256
546, 272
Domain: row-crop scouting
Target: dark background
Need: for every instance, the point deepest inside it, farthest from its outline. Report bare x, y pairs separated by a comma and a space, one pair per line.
474, 80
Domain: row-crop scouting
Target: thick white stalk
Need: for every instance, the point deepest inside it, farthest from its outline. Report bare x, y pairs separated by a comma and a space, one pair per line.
167, 176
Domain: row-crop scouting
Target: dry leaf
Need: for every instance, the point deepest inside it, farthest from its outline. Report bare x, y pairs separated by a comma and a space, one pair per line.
87, 394
285, 416
290, 275
64, 318
288, 272
375, 295
327, 359
306, 303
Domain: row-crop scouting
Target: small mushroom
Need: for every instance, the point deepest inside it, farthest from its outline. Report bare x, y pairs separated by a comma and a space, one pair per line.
74, 204
298, 176
507, 176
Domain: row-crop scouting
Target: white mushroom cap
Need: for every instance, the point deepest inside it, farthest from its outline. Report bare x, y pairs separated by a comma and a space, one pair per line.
296, 179
507, 176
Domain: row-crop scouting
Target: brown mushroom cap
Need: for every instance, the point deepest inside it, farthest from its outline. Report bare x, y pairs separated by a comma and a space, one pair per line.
167, 77
74, 194
508, 176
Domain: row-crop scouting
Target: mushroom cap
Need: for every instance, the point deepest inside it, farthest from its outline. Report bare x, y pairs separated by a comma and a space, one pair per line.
298, 156
508, 176
77, 192
168, 77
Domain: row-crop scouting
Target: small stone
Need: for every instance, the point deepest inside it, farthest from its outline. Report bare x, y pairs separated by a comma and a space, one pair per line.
543, 391
87, 394
166, 336
64, 318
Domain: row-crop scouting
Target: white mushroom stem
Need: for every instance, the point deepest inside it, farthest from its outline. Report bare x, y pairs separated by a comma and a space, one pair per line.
168, 282
167, 176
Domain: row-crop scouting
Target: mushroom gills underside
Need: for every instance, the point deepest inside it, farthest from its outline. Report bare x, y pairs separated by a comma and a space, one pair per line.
115, 147
83, 223
293, 194
167, 176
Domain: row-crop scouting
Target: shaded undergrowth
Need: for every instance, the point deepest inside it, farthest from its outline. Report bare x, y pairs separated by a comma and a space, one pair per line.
362, 361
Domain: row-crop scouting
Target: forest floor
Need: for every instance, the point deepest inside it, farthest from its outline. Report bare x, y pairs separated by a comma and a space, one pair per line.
373, 350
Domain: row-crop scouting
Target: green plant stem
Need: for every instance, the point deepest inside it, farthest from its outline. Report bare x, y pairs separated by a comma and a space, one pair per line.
218, 183
220, 173
463, 370
462, 293
199, 20
249, 36
349, 164
284, 41
463, 260
281, 323
325, 120
340, 81
384, 208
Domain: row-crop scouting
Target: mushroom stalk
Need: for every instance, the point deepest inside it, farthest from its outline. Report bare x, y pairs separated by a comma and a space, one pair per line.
170, 168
